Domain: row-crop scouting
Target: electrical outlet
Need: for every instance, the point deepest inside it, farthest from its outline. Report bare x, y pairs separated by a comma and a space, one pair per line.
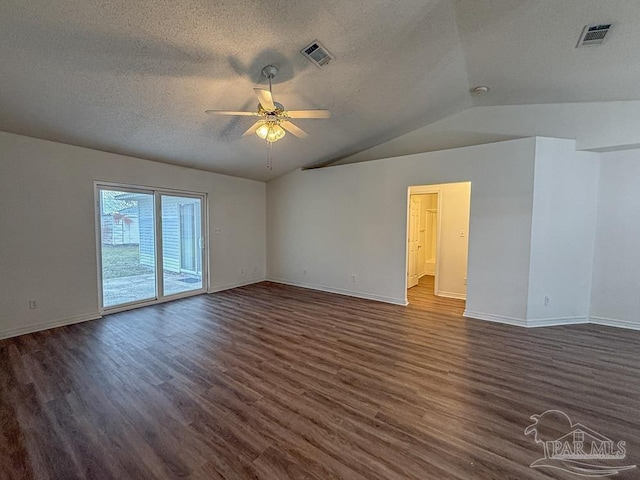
547, 300
304, 271
33, 304
353, 278
242, 271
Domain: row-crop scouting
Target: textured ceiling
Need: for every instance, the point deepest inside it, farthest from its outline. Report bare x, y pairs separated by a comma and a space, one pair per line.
136, 77
525, 50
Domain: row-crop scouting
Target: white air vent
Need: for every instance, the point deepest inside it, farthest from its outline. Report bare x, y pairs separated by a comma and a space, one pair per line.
317, 54
593, 35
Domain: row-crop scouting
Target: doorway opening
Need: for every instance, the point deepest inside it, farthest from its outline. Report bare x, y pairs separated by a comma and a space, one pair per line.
437, 246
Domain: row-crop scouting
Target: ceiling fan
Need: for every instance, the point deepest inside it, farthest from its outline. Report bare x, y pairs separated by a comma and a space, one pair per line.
274, 118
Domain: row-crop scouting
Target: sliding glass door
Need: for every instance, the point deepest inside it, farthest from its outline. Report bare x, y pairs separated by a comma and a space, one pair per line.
127, 246
151, 245
181, 244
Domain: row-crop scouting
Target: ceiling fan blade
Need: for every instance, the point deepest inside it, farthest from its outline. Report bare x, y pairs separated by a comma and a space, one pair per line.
296, 131
265, 98
309, 113
252, 129
229, 112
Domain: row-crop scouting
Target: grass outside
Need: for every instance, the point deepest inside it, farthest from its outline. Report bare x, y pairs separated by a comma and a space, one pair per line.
122, 261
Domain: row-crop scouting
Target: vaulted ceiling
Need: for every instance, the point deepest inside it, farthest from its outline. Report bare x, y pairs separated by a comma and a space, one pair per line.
135, 77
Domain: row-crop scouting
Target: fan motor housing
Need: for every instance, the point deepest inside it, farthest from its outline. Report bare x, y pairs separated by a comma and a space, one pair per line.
270, 71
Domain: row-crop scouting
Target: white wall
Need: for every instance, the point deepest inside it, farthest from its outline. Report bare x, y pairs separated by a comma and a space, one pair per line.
351, 220
338, 222
563, 233
454, 220
47, 232
615, 298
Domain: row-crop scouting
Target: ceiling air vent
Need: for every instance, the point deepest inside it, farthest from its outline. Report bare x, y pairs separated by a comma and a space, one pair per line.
317, 54
593, 35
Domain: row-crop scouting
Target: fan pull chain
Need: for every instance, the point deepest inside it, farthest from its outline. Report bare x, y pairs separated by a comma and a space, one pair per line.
269, 144
269, 162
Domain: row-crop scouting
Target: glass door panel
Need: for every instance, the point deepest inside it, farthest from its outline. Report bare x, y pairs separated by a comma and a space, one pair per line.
182, 252
127, 246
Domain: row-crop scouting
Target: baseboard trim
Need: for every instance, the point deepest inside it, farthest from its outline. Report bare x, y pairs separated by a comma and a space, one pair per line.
518, 322
532, 323
229, 286
457, 296
614, 322
340, 291
556, 322
16, 332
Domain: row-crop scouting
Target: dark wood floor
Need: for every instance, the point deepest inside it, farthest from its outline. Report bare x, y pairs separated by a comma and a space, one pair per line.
276, 382
422, 297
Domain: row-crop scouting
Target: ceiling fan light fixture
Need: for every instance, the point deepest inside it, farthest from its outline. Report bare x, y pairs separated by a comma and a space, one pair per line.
270, 131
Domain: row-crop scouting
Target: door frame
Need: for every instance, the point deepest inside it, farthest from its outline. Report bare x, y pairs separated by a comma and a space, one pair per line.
157, 192
423, 190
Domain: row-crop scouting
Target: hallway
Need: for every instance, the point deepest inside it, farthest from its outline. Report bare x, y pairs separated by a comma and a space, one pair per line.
421, 297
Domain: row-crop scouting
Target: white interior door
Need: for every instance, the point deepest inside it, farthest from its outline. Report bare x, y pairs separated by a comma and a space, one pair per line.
414, 237
422, 236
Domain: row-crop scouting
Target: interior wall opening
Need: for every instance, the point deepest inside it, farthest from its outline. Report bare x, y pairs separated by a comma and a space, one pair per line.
437, 246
